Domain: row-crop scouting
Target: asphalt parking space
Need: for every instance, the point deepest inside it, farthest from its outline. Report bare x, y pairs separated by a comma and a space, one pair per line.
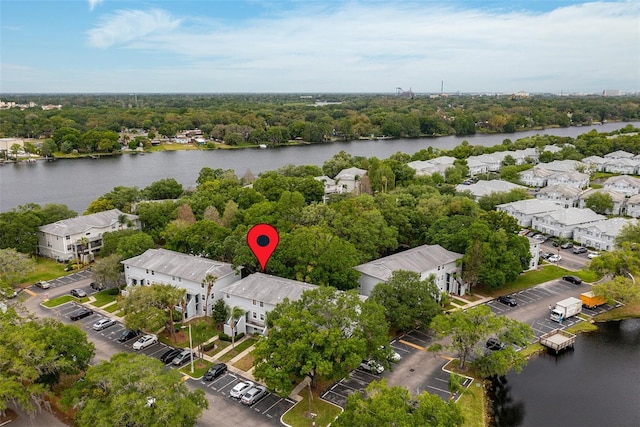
438, 384
271, 406
416, 337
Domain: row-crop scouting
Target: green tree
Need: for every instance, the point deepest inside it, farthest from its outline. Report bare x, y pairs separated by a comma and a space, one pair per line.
167, 188
601, 203
408, 301
324, 334
630, 233
19, 229
624, 261
135, 244
107, 270
470, 329
394, 406
235, 313
151, 307
208, 281
134, 390
620, 288
220, 312
315, 255
14, 266
35, 352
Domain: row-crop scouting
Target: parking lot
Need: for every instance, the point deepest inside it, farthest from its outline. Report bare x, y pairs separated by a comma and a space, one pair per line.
550, 293
411, 347
269, 409
80, 278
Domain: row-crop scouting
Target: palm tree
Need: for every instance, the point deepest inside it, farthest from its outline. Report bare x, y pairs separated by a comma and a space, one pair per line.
236, 314
123, 220
209, 280
455, 384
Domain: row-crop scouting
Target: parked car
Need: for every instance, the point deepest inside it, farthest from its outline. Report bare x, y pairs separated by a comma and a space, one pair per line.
43, 284
127, 334
81, 314
545, 255
78, 293
103, 324
579, 250
170, 354
554, 243
182, 358
8, 293
592, 255
554, 258
214, 372
508, 300
572, 279
97, 286
566, 245
494, 344
392, 355
372, 366
240, 389
145, 342
253, 395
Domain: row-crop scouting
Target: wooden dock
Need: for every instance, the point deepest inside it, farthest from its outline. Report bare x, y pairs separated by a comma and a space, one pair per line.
558, 340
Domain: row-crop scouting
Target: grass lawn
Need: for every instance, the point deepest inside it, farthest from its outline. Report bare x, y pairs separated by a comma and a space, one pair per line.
220, 345
239, 349
472, 403
532, 349
628, 311
298, 415
103, 298
200, 366
59, 301
582, 327
457, 301
246, 363
46, 269
531, 278
112, 308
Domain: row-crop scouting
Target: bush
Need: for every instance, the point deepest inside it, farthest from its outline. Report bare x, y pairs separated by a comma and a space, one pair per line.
239, 336
224, 337
113, 291
209, 346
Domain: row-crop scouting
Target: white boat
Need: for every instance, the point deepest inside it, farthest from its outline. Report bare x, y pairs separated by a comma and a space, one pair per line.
263, 146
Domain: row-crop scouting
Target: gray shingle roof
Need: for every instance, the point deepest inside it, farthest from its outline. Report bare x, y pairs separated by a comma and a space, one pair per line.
420, 259
81, 224
269, 289
181, 265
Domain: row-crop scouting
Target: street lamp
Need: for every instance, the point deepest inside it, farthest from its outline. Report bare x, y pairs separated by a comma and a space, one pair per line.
190, 346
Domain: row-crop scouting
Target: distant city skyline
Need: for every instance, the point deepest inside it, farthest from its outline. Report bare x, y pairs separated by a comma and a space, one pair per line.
282, 46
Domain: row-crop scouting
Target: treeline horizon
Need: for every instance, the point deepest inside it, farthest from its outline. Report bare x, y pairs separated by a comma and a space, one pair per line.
276, 119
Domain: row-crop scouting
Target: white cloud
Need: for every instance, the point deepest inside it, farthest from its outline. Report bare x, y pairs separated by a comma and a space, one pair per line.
129, 26
94, 3
373, 47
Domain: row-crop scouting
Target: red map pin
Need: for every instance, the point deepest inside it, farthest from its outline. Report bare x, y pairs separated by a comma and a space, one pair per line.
262, 240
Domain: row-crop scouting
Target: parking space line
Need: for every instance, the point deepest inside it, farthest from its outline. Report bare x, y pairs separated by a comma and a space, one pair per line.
269, 408
439, 389
410, 344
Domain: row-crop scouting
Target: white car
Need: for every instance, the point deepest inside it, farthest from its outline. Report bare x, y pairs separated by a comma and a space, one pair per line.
103, 324
145, 342
592, 255
372, 366
554, 258
240, 389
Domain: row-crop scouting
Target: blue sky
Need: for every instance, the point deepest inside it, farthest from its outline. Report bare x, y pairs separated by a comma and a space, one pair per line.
218, 46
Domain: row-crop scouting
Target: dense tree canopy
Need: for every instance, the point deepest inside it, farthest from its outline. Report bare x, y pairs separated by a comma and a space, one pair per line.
382, 406
34, 353
324, 334
408, 301
134, 390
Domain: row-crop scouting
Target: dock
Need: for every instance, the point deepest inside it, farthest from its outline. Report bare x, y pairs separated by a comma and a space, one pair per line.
558, 340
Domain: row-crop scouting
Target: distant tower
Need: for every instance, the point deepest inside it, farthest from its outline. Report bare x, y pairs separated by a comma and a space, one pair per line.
441, 87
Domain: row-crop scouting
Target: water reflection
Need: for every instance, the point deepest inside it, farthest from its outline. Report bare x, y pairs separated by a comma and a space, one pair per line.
506, 412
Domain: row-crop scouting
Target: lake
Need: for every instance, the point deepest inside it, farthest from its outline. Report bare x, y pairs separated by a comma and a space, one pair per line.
595, 384
76, 182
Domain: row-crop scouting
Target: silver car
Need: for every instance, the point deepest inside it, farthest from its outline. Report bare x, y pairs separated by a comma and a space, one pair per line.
103, 324
240, 389
253, 395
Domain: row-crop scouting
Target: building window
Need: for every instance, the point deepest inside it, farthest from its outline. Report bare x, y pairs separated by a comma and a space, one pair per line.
202, 285
226, 295
255, 316
262, 317
261, 304
254, 302
68, 237
147, 271
153, 273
